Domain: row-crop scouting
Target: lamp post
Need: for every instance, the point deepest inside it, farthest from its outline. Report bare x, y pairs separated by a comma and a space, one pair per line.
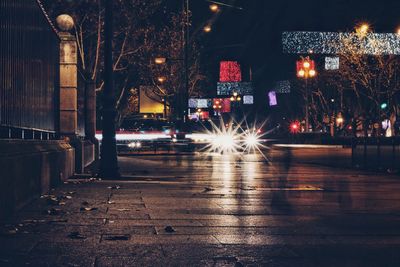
185, 93
235, 103
306, 70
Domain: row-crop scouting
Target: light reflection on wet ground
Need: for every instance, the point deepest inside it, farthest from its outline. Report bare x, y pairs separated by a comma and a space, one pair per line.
225, 210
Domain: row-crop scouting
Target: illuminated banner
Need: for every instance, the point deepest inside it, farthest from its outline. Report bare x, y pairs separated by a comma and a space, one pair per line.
242, 88
331, 63
272, 98
248, 100
282, 87
331, 43
199, 103
229, 71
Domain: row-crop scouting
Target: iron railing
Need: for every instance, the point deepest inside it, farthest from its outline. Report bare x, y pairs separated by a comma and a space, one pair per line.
376, 153
29, 71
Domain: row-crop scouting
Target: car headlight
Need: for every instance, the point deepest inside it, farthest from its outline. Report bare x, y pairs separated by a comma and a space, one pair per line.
134, 145
251, 140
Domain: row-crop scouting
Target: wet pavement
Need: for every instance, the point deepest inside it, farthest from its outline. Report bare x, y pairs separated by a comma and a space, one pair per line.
212, 210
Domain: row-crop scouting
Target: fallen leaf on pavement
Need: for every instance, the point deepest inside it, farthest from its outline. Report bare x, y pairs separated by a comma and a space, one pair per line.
88, 208
169, 229
123, 209
208, 189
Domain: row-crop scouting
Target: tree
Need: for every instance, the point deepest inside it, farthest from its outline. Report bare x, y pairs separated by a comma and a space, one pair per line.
139, 36
367, 78
169, 44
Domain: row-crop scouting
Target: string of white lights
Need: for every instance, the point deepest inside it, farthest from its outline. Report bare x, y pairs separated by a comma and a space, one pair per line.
332, 43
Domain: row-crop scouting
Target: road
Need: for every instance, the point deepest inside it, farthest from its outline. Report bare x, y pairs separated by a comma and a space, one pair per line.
212, 210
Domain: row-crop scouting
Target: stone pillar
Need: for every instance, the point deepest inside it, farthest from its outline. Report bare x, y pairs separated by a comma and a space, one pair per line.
69, 88
68, 85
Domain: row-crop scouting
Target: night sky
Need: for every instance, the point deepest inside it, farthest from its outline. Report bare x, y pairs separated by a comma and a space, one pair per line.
253, 35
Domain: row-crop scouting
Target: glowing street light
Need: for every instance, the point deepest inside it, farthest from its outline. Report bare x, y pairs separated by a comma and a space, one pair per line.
160, 60
301, 73
161, 79
207, 28
363, 29
214, 7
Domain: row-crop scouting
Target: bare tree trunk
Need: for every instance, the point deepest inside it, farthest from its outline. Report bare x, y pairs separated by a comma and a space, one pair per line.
108, 157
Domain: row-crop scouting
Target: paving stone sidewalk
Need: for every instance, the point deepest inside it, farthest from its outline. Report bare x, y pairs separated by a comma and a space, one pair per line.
203, 221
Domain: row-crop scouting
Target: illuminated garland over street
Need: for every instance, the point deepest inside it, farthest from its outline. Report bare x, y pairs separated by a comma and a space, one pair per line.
332, 43
228, 88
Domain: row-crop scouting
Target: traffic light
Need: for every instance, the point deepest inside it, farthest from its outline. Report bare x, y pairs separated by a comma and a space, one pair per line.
294, 127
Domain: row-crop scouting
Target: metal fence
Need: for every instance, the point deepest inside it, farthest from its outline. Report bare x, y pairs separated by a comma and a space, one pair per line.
378, 153
29, 71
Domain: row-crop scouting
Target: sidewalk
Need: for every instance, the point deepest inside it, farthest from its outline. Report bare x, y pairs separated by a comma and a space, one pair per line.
206, 218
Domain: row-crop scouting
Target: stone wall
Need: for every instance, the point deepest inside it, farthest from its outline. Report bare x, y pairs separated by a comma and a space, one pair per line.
29, 168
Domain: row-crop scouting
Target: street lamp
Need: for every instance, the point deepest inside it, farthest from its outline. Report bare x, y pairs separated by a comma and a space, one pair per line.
207, 28
160, 60
214, 7
161, 79
235, 97
362, 29
306, 69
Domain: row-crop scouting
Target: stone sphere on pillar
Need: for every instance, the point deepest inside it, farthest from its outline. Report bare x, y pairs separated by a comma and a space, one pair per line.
65, 22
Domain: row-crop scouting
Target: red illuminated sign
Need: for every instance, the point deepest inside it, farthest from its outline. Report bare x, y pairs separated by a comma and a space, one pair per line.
230, 71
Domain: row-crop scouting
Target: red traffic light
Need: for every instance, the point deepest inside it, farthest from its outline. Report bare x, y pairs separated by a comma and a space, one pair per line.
295, 127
